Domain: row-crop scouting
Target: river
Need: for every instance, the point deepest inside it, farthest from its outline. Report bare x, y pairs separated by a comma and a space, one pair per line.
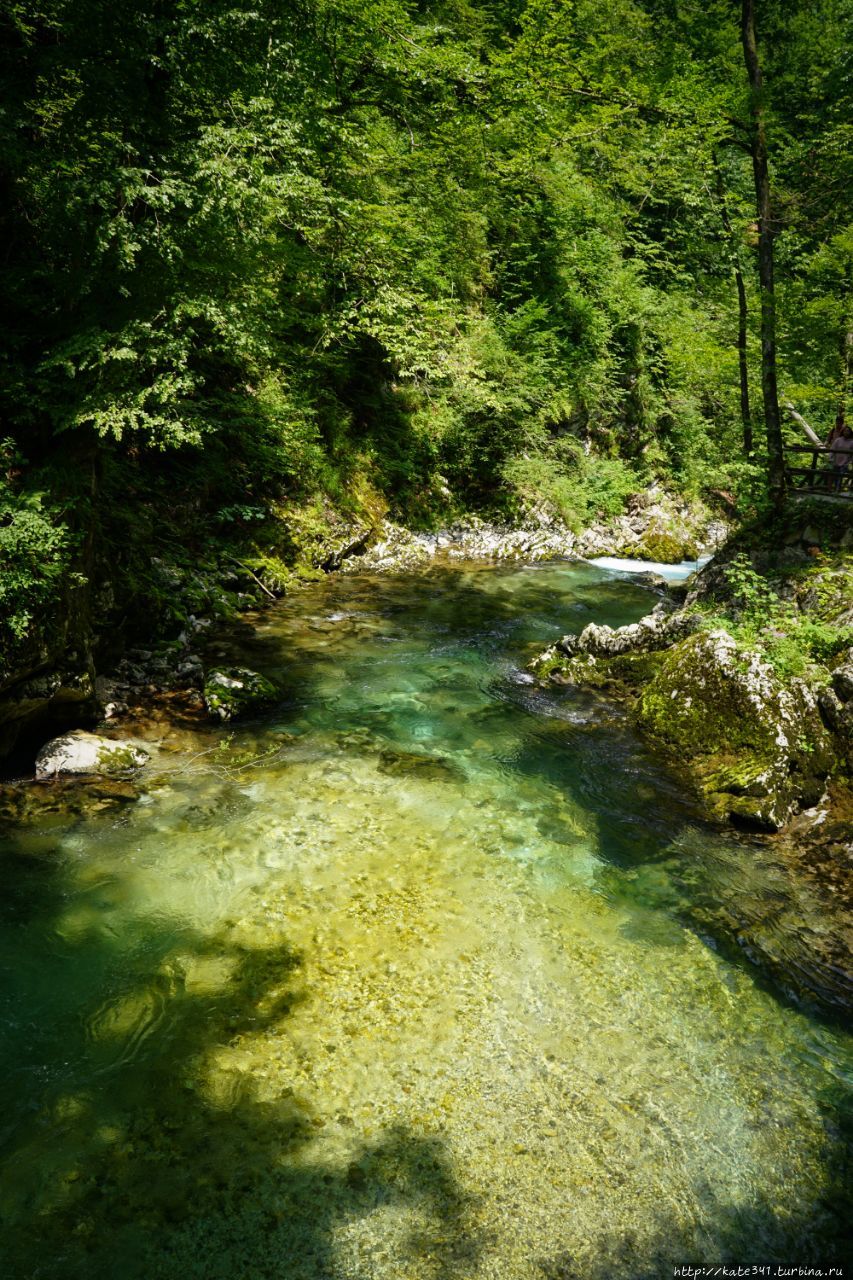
428, 973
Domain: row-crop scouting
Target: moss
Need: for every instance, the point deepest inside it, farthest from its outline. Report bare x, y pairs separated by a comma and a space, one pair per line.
116, 761
635, 670
235, 691
664, 546
755, 749
549, 663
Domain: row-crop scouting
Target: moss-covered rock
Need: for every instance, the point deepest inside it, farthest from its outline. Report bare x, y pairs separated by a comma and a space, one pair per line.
756, 749
237, 691
618, 675
666, 548
89, 753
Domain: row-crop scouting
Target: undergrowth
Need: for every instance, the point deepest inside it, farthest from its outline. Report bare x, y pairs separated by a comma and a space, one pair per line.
795, 642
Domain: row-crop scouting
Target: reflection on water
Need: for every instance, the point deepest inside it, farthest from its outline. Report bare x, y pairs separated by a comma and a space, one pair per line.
428, 974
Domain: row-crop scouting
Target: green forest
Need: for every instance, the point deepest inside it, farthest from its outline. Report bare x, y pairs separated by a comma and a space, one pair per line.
411, 258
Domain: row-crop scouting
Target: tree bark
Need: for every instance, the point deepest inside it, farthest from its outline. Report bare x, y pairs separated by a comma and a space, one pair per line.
743, 368
845, 351
812, 435
761, 175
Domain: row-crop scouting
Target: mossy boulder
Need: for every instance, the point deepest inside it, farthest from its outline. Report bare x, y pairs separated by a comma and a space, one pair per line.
236, 691
756, 749
666, 540
617, 675
89, 753
666, 547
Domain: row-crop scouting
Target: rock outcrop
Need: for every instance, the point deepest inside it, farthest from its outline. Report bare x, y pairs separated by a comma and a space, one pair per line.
836, 706
84, 753
658, 630
755, 748
237, 691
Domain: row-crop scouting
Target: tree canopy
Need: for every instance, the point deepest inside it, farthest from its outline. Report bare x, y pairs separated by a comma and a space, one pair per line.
494, 246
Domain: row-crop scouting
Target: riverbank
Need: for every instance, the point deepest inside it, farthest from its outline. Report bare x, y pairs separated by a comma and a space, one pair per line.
154, 650
746, 686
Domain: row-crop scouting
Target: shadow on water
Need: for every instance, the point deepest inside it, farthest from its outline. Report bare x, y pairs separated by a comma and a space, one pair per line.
733, 1237
662, 860
151, 1151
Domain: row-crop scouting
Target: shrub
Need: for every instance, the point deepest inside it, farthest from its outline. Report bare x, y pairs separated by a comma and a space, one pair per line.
34, 559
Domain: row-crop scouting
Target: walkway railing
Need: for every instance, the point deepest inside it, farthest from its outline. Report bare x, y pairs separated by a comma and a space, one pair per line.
808, 469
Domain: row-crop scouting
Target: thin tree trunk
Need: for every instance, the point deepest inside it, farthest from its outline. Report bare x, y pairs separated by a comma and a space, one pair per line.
800, 420
743, 368
758, 147
745, 414
845, 350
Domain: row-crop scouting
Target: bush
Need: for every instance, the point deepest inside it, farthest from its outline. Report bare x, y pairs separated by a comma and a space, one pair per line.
579, 487
795, 643
34, 559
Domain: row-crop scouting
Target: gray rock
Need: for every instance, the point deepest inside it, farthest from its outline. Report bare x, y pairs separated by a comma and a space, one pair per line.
842, 681
237, 691
80, 752
830, 707
658, 630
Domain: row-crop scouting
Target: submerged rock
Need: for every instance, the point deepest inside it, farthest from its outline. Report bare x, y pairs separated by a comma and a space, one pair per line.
399, 763
237, 691
83, 753
756, 748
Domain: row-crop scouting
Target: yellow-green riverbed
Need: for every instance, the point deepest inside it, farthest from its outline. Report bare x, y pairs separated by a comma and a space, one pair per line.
428, 973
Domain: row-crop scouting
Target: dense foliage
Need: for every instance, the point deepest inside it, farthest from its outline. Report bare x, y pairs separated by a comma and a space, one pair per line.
420, 255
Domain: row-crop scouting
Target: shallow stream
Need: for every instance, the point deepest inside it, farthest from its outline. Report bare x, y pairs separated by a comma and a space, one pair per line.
429, 973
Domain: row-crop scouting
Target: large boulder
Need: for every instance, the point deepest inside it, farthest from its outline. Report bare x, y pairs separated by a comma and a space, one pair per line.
757, 749
237, 691
84, 753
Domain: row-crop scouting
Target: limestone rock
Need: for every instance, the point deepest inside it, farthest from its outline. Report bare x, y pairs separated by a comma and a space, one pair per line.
80, 752
756, 749
658, 630
842, 681
237, 691
831, 708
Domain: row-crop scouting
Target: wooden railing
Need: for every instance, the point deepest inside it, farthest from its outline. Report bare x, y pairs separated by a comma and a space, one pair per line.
815, 472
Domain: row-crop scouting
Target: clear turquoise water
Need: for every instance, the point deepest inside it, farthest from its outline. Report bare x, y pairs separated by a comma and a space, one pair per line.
428, 973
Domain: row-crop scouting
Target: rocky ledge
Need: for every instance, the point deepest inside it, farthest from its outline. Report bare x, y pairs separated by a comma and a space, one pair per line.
655, 526
757, 750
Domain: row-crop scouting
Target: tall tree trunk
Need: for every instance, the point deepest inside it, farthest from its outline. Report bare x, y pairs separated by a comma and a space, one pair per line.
845, 350
758, 147
743, 368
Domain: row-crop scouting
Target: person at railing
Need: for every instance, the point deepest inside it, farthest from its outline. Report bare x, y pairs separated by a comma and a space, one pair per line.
840, 453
